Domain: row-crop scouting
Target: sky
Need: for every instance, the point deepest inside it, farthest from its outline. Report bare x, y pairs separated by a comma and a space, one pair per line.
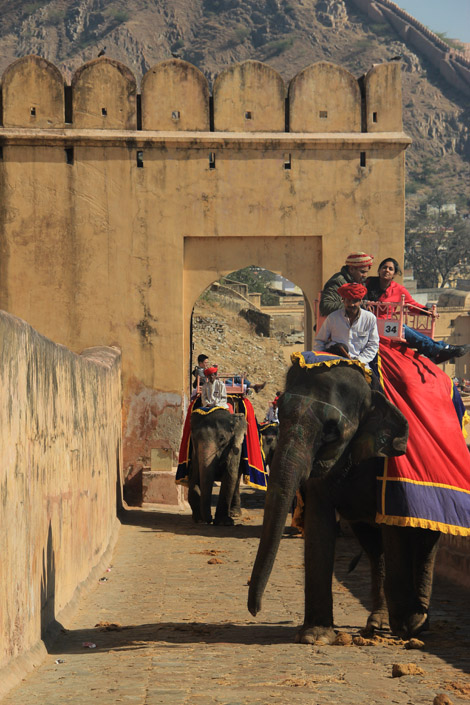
449, 16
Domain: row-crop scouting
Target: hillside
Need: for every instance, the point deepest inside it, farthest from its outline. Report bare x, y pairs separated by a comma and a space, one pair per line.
231, 343
287, 34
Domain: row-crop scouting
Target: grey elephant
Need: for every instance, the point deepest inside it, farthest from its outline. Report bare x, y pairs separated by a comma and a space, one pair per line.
217, 438
333, 429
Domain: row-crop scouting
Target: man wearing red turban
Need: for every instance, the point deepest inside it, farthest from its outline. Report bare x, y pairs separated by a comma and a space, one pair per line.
351, 330
213, 392
355, 270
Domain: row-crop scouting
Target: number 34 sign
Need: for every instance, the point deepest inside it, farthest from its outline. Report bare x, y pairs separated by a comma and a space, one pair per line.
390, 329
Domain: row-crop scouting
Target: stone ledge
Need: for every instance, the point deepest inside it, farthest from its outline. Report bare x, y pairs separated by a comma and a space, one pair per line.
140, 139
159, 487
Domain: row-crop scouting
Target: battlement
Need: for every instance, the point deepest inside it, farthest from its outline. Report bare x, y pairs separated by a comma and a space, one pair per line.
250, 97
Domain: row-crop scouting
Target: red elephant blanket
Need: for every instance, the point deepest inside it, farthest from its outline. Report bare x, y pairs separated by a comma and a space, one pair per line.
429, 487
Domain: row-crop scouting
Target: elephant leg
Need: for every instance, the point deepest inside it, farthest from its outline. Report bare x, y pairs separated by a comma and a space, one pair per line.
227, 491
320, 537
194, 491
236, 506
425, 544
398, 576
409, 555
370, 538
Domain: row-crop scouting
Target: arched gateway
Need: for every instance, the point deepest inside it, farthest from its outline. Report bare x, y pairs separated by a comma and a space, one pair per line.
118, 209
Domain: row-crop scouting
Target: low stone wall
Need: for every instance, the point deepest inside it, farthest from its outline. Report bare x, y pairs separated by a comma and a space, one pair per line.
60, 451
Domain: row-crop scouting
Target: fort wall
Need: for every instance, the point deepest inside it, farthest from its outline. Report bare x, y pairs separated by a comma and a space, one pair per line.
451, 64
60, 460
119, 209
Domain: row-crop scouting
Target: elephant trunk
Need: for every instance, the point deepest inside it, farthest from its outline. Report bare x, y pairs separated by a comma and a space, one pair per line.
292, 461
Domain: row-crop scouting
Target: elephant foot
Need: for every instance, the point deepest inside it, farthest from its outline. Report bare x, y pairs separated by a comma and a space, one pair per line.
224, 521
236, 512
417, 623
377, 620
315, 635
410, 626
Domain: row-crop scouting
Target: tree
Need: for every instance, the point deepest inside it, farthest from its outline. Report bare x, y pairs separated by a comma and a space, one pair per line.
437, 245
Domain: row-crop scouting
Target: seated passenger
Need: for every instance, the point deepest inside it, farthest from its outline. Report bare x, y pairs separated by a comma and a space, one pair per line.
350, 331
198, 372
272, 414
384, 288
356, 269
213, 391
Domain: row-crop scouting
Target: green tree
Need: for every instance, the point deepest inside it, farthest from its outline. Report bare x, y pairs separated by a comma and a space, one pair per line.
437, 245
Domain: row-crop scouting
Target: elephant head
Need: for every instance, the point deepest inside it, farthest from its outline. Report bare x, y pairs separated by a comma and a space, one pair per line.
328, 418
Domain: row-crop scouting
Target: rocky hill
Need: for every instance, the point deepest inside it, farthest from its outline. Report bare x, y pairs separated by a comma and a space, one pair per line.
231, 343
287, 34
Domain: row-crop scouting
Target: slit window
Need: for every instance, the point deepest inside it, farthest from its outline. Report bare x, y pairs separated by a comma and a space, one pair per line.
175, 114
212, 160
248, 115
287, 161
33, 111
140, 159
374, 117
69, 155
323, 114
104, 112
1, 154
362, 158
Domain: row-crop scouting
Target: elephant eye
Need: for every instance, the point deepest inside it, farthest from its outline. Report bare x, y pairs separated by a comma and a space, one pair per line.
331, 432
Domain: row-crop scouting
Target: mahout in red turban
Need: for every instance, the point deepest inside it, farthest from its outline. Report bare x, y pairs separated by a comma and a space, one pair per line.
355, 292
211, 370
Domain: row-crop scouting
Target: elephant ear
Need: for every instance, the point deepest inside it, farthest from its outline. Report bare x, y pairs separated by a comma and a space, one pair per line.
382, 433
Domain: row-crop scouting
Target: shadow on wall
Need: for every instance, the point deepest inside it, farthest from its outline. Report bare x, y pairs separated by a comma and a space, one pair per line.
49, 626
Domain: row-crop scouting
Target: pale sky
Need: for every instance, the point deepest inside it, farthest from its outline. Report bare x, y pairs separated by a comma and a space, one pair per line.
450, 16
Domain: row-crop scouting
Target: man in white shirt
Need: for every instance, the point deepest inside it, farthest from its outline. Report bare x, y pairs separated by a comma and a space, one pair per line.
213, 392
351, 329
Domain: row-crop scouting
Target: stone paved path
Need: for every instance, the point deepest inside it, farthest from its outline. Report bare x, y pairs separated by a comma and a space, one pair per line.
186, 637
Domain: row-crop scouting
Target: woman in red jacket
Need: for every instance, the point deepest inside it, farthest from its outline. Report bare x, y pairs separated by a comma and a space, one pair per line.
384, 288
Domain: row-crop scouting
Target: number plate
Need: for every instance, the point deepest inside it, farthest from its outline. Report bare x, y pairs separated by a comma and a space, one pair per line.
389, 328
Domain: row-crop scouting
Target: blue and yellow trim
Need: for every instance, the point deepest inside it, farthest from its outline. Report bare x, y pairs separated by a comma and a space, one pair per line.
325, 359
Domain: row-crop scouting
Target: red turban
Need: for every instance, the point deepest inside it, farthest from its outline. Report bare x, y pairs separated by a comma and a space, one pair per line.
211, 370
355, 292
359, 259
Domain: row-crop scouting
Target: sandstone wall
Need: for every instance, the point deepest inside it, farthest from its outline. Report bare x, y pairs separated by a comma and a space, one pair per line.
60, 430
119, 210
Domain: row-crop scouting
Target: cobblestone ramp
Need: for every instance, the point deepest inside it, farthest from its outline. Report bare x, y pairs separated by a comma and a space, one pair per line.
175, 629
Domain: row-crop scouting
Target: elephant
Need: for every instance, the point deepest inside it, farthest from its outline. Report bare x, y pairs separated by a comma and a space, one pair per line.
334, 430
217, 438
269, 433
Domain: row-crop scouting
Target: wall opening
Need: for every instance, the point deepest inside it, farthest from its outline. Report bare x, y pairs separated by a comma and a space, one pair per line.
247, 323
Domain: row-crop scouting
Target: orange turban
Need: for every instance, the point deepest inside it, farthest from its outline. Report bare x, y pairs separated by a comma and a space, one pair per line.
211, 370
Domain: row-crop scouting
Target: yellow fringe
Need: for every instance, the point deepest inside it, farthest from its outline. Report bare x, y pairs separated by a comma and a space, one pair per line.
298, 356
465, 421
418, 523
209, 411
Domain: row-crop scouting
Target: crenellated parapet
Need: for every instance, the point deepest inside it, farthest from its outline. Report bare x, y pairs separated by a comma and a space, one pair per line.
250, 97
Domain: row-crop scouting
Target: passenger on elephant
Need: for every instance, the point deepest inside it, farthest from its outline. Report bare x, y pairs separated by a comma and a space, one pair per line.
350, 331
213, 392
384, 288
198, 372
355, 270
272, 414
